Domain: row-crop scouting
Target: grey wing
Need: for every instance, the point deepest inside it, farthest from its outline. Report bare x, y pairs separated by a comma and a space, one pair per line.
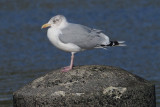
83, 36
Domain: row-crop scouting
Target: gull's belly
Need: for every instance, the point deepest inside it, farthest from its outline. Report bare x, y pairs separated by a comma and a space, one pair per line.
54, 39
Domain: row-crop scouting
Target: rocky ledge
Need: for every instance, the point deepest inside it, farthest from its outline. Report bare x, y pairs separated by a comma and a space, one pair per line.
92, 85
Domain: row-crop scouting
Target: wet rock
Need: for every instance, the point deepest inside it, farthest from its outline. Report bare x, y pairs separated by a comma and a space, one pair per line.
92, 85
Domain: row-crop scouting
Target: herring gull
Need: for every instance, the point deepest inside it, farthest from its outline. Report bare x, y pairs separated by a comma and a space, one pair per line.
73, 38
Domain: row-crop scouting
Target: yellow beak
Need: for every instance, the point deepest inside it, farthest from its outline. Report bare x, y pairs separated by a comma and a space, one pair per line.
45, 25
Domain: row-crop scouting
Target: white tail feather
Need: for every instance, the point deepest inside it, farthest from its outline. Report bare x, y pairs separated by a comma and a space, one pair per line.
121, 43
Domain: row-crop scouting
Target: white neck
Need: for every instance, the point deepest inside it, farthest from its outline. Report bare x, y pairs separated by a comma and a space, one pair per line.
63, 24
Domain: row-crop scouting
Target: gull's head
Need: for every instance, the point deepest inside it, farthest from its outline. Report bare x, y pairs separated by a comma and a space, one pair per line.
58, 21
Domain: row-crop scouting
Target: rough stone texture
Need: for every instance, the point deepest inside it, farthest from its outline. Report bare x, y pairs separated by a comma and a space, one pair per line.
87, 86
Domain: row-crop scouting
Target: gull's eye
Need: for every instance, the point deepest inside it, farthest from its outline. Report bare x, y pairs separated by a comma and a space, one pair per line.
54, 21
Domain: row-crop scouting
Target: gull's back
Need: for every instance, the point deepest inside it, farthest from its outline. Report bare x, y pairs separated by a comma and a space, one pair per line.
83, 36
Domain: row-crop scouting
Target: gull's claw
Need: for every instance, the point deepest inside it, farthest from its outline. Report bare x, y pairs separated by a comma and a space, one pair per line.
66, 69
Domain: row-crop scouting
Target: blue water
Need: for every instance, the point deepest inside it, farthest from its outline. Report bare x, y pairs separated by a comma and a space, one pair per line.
26, 53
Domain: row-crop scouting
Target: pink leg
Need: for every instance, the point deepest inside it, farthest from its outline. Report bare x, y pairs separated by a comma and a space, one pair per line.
67, 68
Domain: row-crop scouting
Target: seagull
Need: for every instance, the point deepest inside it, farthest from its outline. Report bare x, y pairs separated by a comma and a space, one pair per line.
74, 38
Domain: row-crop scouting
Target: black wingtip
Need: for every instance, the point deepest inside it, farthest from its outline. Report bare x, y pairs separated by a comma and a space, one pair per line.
116, 43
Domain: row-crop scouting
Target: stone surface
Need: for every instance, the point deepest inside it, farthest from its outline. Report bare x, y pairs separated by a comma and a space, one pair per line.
84, 86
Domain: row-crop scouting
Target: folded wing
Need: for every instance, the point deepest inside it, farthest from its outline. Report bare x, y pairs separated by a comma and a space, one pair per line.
82, 36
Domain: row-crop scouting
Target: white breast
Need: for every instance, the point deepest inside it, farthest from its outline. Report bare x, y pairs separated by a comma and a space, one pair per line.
53, 35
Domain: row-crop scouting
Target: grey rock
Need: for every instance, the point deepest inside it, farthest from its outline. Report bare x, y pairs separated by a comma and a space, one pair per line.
86, 86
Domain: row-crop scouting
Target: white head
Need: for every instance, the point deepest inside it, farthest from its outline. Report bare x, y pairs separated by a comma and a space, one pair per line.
58, 21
